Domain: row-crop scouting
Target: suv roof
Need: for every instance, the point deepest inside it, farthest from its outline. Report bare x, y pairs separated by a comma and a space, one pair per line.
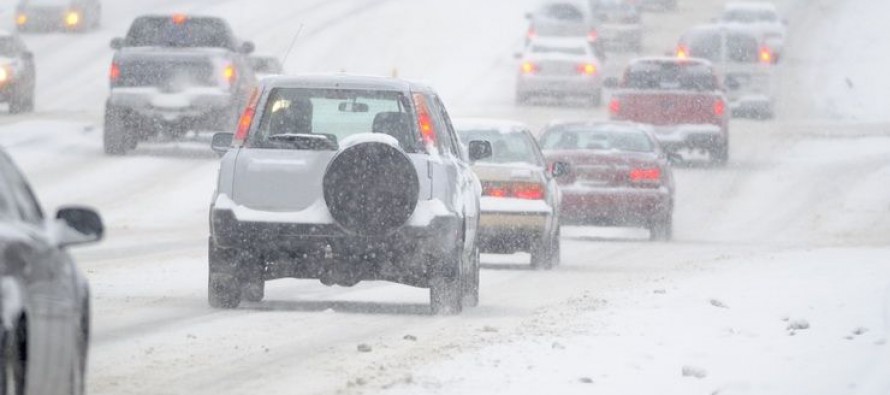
344, 81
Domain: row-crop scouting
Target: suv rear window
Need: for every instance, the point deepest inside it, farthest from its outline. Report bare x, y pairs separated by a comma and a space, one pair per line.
301, 118
182, 32
670, 76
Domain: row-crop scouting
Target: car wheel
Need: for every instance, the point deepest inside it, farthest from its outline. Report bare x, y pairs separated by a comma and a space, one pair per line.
446, 295
471, 287
223, 286
542, 254
662, 229
115, 138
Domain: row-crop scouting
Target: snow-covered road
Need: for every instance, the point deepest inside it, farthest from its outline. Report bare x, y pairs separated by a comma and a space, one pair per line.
796, 230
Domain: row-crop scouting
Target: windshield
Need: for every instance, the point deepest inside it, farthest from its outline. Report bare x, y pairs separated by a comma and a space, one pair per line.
599, 138
190, 32
512, 147
670, 76
334, 114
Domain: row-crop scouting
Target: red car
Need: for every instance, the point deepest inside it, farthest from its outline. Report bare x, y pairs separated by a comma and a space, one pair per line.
619, 176
683, 100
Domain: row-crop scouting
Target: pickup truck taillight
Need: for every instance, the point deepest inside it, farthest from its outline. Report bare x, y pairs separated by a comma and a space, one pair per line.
766, 55
719, 108
614, 106
587, 69
518, 190
115, 73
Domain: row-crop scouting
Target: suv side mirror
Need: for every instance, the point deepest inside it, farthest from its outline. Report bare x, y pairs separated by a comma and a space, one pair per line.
560, 169
221, 143
78, 225
611, 83
117, 43
479, 150
247, 47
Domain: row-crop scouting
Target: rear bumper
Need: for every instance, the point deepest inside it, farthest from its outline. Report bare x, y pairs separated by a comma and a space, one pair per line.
614, 206
703, 136
215, 111
509, 232
558, 85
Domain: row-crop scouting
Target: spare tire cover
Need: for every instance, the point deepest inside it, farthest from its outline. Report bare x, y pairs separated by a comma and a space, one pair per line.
371, 188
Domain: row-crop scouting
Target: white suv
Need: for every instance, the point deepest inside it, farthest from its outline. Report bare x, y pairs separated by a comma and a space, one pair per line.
344, 179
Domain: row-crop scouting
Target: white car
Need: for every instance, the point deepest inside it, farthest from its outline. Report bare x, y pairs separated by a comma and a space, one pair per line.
761, 16
559, 67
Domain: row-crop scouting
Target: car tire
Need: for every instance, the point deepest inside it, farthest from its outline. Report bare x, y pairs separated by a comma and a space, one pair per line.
720, 154
115, 138
253, 290
223, 286
662, 229
542, 254
471, 285
446, 295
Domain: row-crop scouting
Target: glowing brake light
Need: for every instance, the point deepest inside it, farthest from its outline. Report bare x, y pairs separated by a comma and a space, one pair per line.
72, 18
593, 35
529, 68
589, 69
766, 56
719, 107
21, 19
230, 74
518, 190
5, 75
115, 73
179, 19
425, 122
246, 119
614, 106
682, 52
645, 175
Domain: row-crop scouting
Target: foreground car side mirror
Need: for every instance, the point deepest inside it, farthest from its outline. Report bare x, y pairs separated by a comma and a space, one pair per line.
247, 47
560, 169
479, 150
117, 43
611, 83
221, 143
78, 225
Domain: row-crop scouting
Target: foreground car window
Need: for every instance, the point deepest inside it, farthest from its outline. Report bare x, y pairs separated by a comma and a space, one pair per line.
597, 139
335, 115
506, 147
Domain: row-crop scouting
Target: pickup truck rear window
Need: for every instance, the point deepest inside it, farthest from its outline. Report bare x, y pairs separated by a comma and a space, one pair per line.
187, 33
299, 118
670, 76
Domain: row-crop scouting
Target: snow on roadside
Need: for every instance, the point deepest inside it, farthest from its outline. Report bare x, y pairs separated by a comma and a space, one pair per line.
794, 322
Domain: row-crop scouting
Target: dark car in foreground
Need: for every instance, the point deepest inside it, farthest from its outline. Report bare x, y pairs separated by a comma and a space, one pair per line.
619, 176
65, 15
345, 179
18, 75
174, 74
44, 298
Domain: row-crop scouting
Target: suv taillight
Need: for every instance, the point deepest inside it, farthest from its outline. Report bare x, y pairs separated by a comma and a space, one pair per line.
425, 122
246, 118
518, 190
115, 73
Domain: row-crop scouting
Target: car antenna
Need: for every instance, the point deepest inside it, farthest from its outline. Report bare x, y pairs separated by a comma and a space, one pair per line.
292, 43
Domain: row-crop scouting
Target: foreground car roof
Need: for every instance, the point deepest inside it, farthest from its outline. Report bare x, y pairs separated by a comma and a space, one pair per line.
344, 81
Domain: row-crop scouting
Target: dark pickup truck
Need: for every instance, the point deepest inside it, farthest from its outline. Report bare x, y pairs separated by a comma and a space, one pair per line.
681, 98
173, 74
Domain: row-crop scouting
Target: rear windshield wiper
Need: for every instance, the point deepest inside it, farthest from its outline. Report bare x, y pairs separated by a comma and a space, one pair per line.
308, 141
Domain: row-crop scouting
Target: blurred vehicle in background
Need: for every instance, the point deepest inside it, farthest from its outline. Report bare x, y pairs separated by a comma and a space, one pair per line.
266, 65
662, 5
683, 100
742, 59
44, 298
758, 15
619, 25
18, 75
557, 19
619, 175
560, 68
173, 74
520, 197
66, 15
297, 198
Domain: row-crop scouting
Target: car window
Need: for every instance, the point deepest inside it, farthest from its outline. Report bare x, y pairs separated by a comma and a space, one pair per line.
17, 197
670, 76
332, 115
179, 31
511, 147
597, 138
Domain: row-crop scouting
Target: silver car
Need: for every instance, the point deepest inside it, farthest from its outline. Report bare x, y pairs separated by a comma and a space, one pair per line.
345, 179
559, 67
44, 298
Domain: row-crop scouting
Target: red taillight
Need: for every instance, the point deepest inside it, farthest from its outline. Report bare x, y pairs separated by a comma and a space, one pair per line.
230, 74
593, 35
766, 55
614, 106
645, 175
115, 73
179, 19
532, 33
682, 52
719, 108
518, 190
587, 69
529, 68
425, 122
247, 118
